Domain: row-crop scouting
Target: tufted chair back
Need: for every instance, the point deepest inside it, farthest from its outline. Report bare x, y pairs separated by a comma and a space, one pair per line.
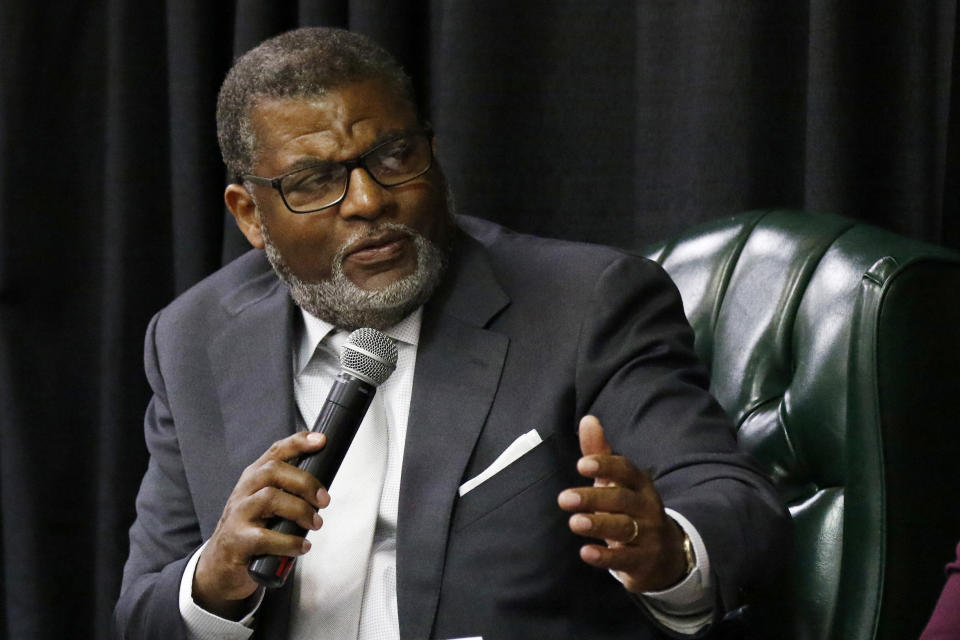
835, 347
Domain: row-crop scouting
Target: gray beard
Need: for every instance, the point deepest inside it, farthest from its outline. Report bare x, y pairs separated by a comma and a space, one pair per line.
340, 302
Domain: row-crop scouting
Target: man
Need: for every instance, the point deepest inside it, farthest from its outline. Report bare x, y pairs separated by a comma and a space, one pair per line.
507, 343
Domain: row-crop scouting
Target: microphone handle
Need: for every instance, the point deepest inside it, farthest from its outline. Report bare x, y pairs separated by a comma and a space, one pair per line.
339, 419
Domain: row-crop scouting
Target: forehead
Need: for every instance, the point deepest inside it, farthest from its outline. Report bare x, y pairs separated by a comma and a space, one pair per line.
340, 124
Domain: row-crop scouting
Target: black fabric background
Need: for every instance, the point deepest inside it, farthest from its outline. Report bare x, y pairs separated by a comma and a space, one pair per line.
608, 121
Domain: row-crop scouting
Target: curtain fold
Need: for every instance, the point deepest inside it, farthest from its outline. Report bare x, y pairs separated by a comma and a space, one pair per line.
604, 121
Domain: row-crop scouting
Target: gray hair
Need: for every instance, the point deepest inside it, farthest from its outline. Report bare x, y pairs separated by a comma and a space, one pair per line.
303, 63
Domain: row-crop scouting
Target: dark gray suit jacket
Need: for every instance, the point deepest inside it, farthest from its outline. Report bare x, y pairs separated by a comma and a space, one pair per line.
524, 333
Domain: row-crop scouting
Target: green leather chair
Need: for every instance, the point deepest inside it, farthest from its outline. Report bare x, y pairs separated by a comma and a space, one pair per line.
835, 347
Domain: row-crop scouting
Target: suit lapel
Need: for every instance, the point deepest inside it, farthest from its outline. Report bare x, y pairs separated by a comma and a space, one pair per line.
458, 368
252, 361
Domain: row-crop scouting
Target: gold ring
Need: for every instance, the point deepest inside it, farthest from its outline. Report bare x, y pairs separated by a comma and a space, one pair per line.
636, 531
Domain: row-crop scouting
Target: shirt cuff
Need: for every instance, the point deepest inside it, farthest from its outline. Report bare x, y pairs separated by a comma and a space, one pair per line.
686, 607
203, 625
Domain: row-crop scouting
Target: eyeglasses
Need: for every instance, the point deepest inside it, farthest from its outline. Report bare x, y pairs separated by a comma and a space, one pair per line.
325, 184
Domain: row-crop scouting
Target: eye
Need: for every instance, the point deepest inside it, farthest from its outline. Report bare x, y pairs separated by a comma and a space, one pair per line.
395, 156
314, 179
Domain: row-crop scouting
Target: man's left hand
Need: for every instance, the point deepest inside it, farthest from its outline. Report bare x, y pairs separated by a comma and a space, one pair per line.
623, 508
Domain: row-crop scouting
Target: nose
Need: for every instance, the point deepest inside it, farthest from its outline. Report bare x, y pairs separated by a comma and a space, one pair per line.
365, 198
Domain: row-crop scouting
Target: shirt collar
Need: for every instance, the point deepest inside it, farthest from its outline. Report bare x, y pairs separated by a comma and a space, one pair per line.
316, 330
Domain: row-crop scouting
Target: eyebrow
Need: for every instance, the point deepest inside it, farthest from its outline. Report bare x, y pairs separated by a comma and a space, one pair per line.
308, 161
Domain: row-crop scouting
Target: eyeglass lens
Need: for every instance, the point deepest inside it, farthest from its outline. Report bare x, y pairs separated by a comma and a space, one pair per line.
390, 164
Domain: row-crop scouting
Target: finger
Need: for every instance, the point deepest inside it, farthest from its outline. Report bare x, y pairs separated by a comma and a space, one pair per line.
640, 567
258, 542
620, 558
592, 439
323, 498
610, 527
282, 475
271, 502
610, 500
613, 469
294, 446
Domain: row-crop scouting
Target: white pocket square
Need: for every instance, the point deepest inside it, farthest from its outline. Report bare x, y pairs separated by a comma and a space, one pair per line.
517, 448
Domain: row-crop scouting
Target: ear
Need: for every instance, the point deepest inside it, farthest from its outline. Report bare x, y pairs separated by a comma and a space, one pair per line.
244, 211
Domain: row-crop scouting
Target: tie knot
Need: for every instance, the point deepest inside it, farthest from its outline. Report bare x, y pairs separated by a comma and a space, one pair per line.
325, 359
336, 339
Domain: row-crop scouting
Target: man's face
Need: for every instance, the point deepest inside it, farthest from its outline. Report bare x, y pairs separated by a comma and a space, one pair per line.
339, 126
363, 232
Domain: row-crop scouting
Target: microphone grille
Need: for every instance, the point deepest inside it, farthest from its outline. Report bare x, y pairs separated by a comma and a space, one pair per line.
370, 355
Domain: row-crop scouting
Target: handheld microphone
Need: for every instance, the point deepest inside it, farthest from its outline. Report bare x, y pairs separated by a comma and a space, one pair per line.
367, 360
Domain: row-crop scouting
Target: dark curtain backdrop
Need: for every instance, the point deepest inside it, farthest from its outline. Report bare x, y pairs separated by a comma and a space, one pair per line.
608, 121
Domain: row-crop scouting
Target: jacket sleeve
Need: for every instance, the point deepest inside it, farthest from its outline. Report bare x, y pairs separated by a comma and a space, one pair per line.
166, 530
638, 373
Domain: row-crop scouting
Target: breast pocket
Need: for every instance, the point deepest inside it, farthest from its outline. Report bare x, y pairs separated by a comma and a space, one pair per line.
528, 470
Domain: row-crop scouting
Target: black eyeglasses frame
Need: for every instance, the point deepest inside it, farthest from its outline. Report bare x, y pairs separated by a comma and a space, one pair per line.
350, 165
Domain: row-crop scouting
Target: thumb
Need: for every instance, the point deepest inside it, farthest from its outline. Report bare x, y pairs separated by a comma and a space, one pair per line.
592, 440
